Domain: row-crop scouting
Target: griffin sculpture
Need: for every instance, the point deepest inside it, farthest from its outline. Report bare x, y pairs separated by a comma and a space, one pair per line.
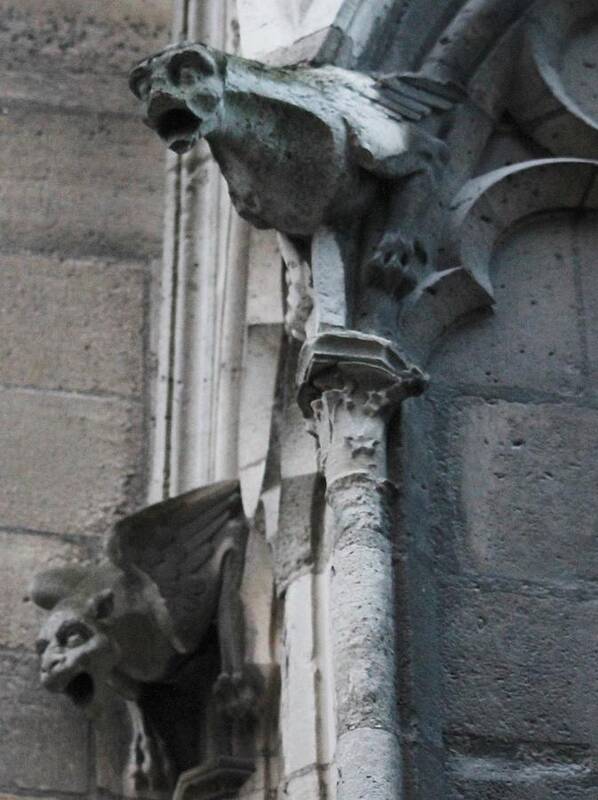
140, 619
304, 147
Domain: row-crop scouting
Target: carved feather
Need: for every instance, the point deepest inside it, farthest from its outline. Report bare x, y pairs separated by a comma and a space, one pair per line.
412, 96
173, 543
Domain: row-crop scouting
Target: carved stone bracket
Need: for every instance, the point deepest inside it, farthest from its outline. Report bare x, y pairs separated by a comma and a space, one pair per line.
350, 385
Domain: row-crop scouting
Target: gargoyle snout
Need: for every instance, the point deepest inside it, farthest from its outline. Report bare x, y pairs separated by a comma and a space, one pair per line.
174, 123
49, 665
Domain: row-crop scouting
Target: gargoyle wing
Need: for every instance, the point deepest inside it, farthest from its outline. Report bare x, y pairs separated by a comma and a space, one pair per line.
412, 96
173, 543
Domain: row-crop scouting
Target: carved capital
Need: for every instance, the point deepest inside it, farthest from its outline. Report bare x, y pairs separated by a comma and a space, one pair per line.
350, 386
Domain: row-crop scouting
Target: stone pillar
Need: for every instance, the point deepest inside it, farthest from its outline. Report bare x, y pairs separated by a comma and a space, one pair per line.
351, 386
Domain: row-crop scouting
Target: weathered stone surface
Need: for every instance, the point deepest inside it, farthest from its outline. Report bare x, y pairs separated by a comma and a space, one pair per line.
520, 666
95, 36
70, 463
44, 741
112, 732
299, 717
528, 772
292, 546
81, 184
71, 324
585, 238
377, 779
363, 637
527, 476
303, 786
22, 556
531, 340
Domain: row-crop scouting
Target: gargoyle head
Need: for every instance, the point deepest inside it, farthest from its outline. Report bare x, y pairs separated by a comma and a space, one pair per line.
76, 653
182, 89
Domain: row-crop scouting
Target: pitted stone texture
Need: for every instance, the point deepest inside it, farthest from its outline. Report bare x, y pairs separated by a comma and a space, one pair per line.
363, 636
44, 740
371, 760
80, 184
94, 36
521, 666
585, 238
531, 340
22, 556
70, 464
526, 477
71, 324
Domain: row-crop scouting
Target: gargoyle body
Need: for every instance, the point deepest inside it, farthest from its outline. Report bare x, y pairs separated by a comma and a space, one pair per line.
302, 147
138, 619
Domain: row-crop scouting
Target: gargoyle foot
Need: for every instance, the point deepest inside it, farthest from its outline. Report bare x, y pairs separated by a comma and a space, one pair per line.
397, 263
237, 694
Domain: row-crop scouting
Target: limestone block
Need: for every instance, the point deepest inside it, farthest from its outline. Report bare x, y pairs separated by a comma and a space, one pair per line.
71, 324
44, 740
531, 340
299, 717
527, 478
262, 352
521, 667
81, 184
70, 463
292, 545
24, 555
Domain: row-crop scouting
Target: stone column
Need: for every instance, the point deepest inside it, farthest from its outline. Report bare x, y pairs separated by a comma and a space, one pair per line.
351, 386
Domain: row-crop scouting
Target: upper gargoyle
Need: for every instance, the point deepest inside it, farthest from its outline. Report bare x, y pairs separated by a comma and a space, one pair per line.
299, 147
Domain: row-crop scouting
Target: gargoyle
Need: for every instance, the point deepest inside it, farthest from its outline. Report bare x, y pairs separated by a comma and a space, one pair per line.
305, 147
139, 619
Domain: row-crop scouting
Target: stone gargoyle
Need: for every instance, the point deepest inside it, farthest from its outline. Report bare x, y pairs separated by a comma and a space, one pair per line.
305, 147
139, 621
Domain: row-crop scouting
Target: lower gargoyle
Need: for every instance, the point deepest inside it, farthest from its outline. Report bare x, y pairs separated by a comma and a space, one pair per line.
161, 614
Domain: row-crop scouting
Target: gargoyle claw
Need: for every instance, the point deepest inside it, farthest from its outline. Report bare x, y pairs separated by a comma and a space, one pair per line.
235, 694
396, 263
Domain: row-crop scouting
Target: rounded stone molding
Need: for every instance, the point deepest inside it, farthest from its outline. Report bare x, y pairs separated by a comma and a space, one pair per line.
555, 96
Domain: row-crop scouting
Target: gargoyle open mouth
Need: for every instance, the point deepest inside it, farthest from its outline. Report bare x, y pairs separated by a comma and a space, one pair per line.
179, 129
81, 689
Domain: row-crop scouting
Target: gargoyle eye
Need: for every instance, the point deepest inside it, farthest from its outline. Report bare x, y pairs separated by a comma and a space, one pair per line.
41, 646
73, 634
75, 639
185, 67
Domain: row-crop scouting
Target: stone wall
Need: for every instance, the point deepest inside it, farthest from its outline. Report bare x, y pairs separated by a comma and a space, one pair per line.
500, 477
81, 187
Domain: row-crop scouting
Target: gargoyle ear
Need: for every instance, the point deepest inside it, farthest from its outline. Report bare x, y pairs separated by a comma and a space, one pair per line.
50, 587
101, 605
